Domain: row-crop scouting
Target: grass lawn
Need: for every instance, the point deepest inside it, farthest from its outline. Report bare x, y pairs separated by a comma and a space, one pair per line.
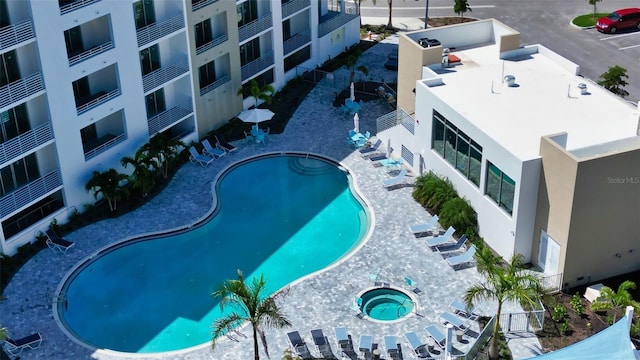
587, 20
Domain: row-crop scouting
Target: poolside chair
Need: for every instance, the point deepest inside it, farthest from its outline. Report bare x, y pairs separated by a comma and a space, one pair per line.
375, 159
419, 348
413, 285
56, 242
368, 151
452, 247
436, 335
198, 158
223, 144
322, 345
424, 227
215, 152
433, 241
299, 346
460, 308
357, 307
15, 347
463, 258
373, 277
455, 320
391, 345
343, 340
396, 180
366, 345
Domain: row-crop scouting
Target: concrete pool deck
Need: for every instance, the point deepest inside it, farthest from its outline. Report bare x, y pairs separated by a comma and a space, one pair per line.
322, 300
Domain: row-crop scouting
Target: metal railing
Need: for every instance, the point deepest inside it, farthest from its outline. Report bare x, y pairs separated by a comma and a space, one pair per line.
333, 23
90, 52
216, 84
527, 321
166, 73
552, 283
29, 140
296, 41
75, 5
396, 117
20, 89
199, 4
255, 27
293, 6
211, 44
97, 101
26, 194
104, 146
15, 34
167, 118
155, 31
257, 65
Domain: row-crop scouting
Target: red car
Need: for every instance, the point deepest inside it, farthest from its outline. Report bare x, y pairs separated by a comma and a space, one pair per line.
619, 20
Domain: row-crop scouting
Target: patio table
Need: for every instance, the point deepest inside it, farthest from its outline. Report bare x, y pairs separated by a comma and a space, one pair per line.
352, 106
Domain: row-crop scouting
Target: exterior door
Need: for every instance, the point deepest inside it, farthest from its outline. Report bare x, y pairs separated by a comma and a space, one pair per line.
549, 254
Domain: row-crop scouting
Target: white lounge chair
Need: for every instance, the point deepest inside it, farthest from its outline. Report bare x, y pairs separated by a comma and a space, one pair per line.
215, 152
55, 242
395, 181
391, 345
366, 345
419, 348
463, 258
459, 308
198, 158
433, 241
455, 320
15, 347
424, 227
452, 247
342, 339
436, 335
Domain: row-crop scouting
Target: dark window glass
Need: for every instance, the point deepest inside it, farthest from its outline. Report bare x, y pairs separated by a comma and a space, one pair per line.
450, 146
155, 103
286, 30
249, 51
81, 91
144, 13
438, 136
507, 193
9, 69
73, 40
203, 33
500, 188
207, 74
19, 173
475, 165
462, 155
297, 58
247, 12
4, 14
150, 59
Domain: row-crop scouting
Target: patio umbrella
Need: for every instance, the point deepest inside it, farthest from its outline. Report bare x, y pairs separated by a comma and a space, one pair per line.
356, 123
256, 115
353, 92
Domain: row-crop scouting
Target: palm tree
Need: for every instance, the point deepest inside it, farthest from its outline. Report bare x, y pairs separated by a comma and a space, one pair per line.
107, 183
618, 300
249, 304
502, 283
257, 92
163, 150
142, 178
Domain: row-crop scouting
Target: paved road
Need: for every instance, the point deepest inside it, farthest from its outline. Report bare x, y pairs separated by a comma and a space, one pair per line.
547, 23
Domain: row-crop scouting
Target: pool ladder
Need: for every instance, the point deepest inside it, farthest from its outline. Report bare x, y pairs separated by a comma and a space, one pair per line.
52, 298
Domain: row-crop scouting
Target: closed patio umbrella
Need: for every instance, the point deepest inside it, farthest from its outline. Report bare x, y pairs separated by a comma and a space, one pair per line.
353, 92
356, 123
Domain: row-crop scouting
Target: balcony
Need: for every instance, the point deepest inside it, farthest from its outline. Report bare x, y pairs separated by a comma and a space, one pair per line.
15, 34
297, 41
158, 77
90, 53
255, 27
257, 66
293, 6
216, 84
27, 194
199, 4
96, 100
211, 44
157, 30
112, 140
168, 118
334, 20
20, 89
75, 5
25, 142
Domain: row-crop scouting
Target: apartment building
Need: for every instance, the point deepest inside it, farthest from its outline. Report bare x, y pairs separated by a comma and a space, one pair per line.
549, 160
84, 83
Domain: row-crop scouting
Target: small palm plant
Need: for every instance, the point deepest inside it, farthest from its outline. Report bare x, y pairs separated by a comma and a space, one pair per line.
107, 183
163, 150
616, 300
253, 89
142, 178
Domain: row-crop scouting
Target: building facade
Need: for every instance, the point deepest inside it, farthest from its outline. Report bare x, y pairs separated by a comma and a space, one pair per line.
84, 83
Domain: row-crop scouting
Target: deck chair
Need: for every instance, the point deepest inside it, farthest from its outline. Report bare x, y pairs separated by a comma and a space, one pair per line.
433, 241
375, 159
342, 339
424, 227
452, 247
15, 347
463, 258
455, 320
322, 345
223, 144
391, 345
215, 152
299, 346
436, 335
357, 307
366, 345
460, 308
413, 285
419, 348
198, 158
396, 180
56, 242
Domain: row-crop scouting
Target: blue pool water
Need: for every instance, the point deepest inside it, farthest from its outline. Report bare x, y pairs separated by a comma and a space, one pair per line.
284, 216
386, 304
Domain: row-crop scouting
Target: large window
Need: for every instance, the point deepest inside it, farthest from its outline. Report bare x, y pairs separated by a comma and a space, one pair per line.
500, 188
464, 154
155, 103
249, 51
207, 74
150, 59
144, 13
247, 12
203, 33
297, 58
18, 174
14, 122
9, 69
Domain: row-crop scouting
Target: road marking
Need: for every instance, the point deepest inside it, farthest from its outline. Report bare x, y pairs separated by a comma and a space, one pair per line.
430, 7
629, 47
619, 36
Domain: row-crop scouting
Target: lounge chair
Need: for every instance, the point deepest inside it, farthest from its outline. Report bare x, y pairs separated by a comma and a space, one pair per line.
215, 152
15, 347
370, 149
223, 144
322, 345
374, 276
433, 241
413, 285
436, 335
391, 345
376, 158
56, 242
460, 308
299, 346
463, 258
342, 339
396, 180
424, 227
455, 320
366, 345
419, 348
196, 157
452, 247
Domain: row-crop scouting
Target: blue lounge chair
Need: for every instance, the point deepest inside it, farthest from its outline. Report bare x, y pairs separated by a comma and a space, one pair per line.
419, 348
433, 241
396, 180
367, 151
391, 345
322, 345
299, 346
198, 158
376, 158
463, 258
15, 347
455, 320
223, 144
436, 335
460, 308
366, 345
56, 242
424, 227
215, 152
452, 247
342, 338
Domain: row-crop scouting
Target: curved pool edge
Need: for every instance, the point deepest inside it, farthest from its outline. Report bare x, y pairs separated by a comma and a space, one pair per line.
353, 186
409, 293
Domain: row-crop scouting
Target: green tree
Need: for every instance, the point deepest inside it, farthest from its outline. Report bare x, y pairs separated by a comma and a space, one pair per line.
264, 92
163, 150
502, 283
614, 80
351, 62
107, 183
594, 2
457, 212
142, 178
249, 304
4, 333
460, 7
616, 300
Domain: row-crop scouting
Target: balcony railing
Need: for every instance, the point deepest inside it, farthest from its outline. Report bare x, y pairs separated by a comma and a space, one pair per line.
15, 34
199, 4
75, 5
157, 30
29, 140
334, 23
20, 89
216, 84
257, 66
297, 41
29, 193
293, 6
168, 117
104, 146
91, 52
166, 73
211, 44
98, 100
255, 27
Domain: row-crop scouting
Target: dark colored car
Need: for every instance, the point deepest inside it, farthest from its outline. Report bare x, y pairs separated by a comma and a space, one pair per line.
622, 19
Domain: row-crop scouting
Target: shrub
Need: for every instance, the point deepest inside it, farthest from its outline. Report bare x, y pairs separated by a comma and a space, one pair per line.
433, 192
565, 328
576, 304
559, 313
457, 212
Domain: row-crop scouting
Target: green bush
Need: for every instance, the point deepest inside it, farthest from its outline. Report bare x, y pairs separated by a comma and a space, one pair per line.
559, 313
576, 304
457, 212
433, 192
565, 328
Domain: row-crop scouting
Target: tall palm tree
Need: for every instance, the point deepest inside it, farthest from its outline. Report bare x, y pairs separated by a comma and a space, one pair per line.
107, 183
253, 89
618, 300
142, 178
249, 304
503, 283
163, 150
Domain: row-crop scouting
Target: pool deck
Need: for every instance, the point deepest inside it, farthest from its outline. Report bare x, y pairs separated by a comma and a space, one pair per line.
322, 300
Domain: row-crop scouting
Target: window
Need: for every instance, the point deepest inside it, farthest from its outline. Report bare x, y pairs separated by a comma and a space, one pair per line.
155, 103
18, 174
203, 33
31, 215
464, 154
247, 12
9, 70
500, 187
150, 59
14, 122
207, 74
73, 40
297, 58
249, 51
4, 14
144, 13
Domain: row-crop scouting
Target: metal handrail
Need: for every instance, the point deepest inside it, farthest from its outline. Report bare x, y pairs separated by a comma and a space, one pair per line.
160, 76
29, 192
215, 84
257, 65
104, 146
155, 31
255, 27
16, 33
91, 52
197, 5
211, 44
296, 41
293, 6
168, 117
97, 101
24, 142
335, 22
20, 89
75, 5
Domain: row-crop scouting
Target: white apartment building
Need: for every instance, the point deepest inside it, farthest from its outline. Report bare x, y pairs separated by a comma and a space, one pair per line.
84, 83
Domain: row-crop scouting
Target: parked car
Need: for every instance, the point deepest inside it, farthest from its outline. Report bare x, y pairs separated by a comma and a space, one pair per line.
619, 20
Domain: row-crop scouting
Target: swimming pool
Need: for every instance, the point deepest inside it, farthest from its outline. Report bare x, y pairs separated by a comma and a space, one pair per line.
386, 304
282, 215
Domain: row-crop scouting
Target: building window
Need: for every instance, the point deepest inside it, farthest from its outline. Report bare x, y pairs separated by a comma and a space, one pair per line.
249, 51
297, 58
247, 12
203, 33
31, 215
9, 70
18, 174
207, 74
14, 122
150, 59
462, 152
500, 187
144, 13
155, 103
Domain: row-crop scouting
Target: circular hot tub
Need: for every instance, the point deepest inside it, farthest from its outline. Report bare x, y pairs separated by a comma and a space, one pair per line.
386, 304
